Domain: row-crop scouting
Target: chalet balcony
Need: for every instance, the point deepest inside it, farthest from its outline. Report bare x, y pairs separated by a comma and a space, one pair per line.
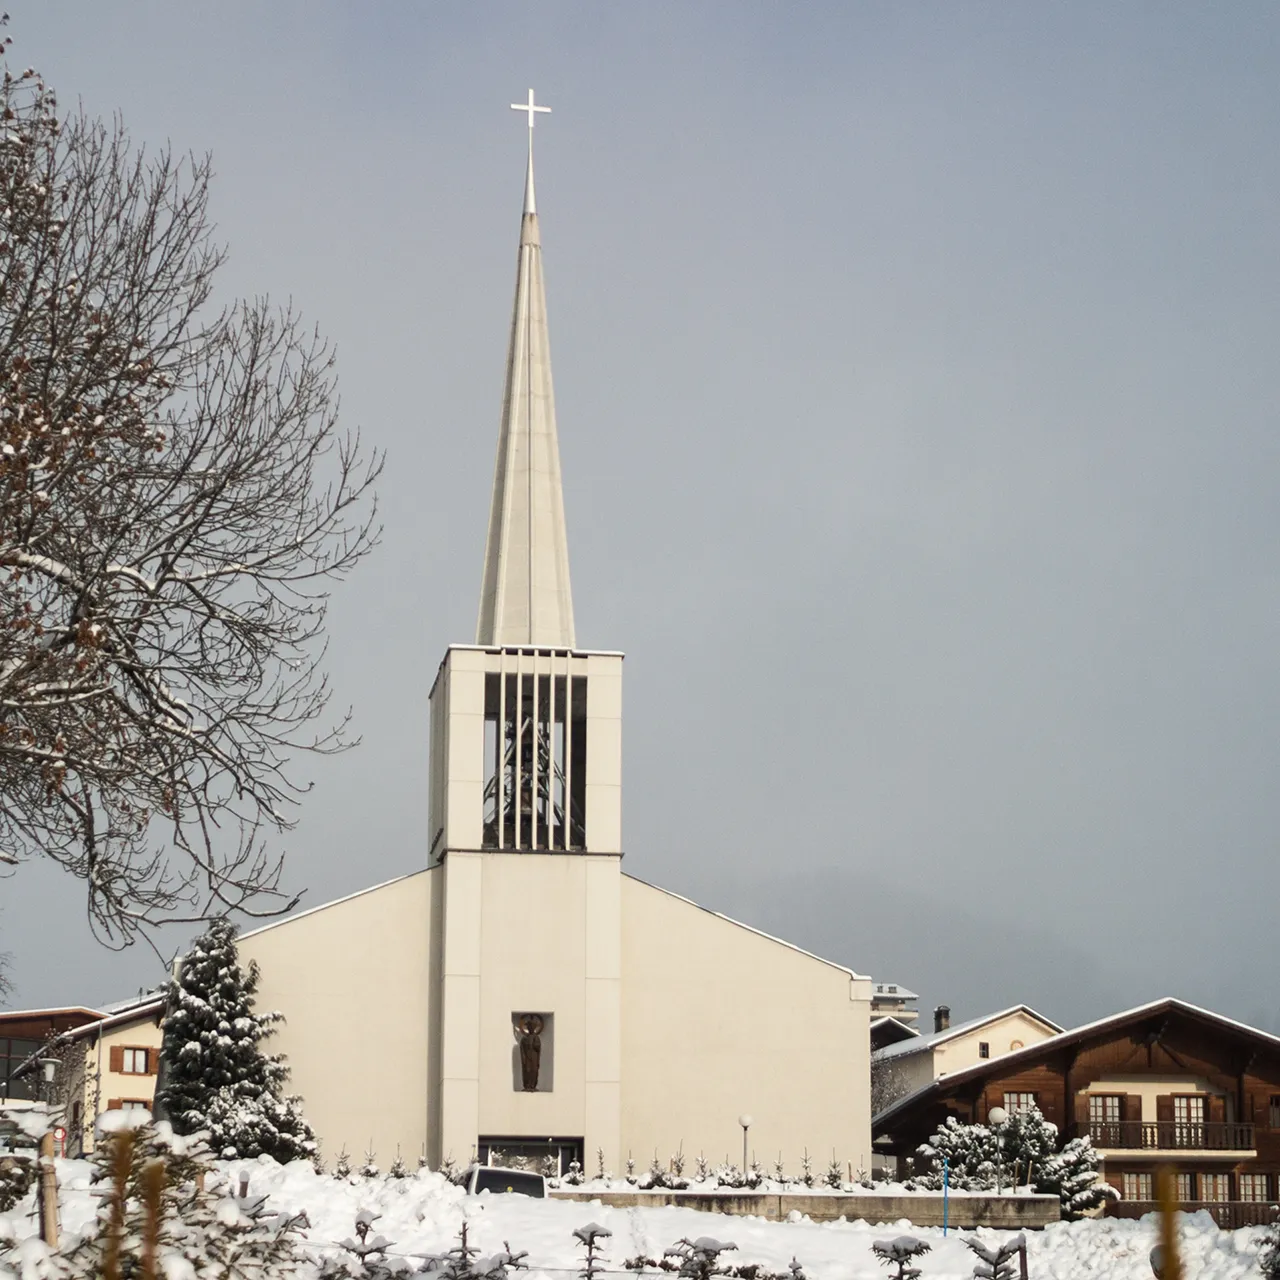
1170, 1135
1228, 1214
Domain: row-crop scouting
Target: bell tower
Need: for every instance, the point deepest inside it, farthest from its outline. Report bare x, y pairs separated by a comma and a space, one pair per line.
525, 811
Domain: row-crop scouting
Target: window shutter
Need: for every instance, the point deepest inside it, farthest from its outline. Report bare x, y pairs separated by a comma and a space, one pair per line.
116, 1061
1217, 1109
153, 1062
115, 1103
1164, 1108
1131, 1107
1082, 1110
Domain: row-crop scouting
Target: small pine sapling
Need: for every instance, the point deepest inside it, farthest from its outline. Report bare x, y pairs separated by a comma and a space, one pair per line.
779, 1172
835, 1174
806, 1169
422, 1158
677, 1161
449, 1169
342, 1165
901, 1252
398, 1168
631, 1168
600, 1173
700, 1168
997, 1263
590, 1237
370, 1167
698, 1259
755, 1174
369, 1253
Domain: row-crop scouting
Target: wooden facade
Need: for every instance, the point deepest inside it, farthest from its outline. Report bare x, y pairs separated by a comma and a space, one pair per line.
1166, 1085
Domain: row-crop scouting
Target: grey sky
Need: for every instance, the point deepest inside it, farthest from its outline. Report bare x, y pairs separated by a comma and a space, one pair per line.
916, 380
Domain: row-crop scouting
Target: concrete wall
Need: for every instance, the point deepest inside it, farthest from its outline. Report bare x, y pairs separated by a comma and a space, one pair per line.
351, 979
999, 1035
719, 1020
530, 933
1011, 1213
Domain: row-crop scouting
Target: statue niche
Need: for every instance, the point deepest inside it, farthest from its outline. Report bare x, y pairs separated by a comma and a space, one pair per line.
528, 1029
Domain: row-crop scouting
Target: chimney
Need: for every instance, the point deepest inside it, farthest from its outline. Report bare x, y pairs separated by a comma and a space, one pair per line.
942, 1017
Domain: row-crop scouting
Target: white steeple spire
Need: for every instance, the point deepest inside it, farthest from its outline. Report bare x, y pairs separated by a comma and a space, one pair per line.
525, 597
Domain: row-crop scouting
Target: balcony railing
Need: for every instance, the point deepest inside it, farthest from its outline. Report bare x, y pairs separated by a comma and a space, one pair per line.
1170, 1135
1228, 1214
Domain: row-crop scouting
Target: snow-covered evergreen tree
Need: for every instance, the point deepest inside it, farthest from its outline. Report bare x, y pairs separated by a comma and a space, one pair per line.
970, 1151
1072, 1175
218, 1079
1269, 1257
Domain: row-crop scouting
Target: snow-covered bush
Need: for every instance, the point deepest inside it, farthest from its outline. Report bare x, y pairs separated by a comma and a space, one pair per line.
1072, 1175
16, 1175
1022, 1149
1269, 1257
218, 1080
699, 1259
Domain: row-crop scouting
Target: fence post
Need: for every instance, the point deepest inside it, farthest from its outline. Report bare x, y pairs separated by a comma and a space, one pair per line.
48, 1192
946, 1183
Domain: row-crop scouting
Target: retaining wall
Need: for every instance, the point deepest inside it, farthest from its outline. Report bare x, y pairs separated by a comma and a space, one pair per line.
1014, 1213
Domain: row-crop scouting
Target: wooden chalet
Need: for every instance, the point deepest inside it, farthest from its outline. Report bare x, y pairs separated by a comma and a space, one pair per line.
1165, 1085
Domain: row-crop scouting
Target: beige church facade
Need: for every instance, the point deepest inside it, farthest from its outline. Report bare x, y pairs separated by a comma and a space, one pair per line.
521, 995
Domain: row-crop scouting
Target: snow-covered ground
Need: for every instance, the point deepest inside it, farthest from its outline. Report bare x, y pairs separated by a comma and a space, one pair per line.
422, 1214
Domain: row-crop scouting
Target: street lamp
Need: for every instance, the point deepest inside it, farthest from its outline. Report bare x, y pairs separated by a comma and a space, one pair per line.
997, 1116
745, 1121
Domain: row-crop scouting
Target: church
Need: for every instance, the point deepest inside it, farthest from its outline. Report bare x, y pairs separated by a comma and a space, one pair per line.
520, 997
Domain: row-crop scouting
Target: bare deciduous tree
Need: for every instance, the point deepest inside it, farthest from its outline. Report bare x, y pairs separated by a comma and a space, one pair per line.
176, 500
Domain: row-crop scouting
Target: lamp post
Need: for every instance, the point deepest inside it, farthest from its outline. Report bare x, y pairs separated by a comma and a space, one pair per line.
745, 1121
997, 1116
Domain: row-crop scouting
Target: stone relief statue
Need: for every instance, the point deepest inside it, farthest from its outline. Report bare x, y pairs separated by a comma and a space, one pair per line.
529, 1029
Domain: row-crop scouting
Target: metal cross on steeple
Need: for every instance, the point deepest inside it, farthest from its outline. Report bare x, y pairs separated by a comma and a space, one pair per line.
531, 107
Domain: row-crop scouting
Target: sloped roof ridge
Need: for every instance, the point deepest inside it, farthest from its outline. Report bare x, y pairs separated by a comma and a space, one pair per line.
941, 1037
333, 902
760, 933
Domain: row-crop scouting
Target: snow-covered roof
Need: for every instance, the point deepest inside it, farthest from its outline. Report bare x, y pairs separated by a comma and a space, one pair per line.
891, 1030
16, 1014
892, 991
147, 1007
1005, 1061
935, 1038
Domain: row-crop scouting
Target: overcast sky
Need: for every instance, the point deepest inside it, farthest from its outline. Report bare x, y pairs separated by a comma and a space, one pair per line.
916, 372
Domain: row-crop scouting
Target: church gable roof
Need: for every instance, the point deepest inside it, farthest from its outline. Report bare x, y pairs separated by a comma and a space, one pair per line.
738, 924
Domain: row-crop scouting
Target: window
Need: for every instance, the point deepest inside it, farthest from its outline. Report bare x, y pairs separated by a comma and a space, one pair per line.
984, 1049
1015, 1102
1188, 1108
134, 1104
13, 1053
134, 1062
1274, 1119
1215, 1187
1137, 1186
1186, 1187
1104, 1108
1253, 1188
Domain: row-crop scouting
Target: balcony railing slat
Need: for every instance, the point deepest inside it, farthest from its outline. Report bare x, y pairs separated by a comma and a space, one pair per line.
1228, 1214
1171, 1135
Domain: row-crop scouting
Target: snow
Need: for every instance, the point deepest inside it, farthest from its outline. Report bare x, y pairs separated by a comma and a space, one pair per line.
422, 1214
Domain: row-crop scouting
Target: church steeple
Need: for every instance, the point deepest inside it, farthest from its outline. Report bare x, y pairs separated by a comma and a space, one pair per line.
525, 598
